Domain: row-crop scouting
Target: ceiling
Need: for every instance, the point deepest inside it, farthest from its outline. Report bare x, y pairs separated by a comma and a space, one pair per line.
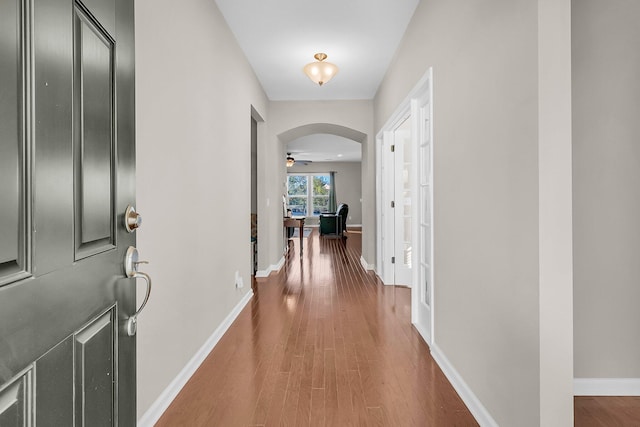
280, 36
322, 147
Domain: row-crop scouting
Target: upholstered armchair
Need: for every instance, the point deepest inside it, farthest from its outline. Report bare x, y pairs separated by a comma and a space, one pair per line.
334, 223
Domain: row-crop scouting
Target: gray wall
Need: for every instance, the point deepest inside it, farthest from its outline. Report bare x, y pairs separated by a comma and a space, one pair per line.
348, 185
606, 155
193, 124
484, 58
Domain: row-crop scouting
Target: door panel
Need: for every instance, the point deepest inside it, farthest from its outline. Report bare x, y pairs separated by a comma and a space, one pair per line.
60, 189
94, 373
12, 225
93, 150
15, 402
54, 386
12, 405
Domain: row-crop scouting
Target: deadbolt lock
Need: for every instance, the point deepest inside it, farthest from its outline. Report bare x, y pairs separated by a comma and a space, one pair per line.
132, 219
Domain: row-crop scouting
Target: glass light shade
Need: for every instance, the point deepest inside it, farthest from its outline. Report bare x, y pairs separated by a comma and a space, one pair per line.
320, 72
290, 161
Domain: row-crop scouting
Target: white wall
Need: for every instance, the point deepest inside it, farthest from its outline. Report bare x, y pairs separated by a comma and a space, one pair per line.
348, 185
606, 127
484, 59
287, 115
194, 91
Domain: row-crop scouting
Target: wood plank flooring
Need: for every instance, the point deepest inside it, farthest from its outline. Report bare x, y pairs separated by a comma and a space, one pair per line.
322, 343
607, 411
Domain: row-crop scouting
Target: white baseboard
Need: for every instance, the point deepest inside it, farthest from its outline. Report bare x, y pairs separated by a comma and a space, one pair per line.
381, 278
606, 386
278, 266
423, 333
272, 268
163, 401
366, 265
478, 410
262, 273
318, 225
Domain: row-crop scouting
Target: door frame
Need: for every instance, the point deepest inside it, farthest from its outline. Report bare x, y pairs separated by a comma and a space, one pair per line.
409, 107
385, 184
386, 221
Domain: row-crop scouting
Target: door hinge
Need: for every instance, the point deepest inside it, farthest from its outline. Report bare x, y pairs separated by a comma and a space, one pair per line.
393, 204
393, 148
393, 260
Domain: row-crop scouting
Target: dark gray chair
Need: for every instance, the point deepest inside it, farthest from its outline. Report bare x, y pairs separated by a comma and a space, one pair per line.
334, 223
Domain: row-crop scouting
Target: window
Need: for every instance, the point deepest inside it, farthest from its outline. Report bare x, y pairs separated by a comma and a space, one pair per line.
308, 195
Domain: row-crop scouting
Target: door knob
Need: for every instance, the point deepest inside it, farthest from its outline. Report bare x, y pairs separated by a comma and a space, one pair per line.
131, 264
132, 219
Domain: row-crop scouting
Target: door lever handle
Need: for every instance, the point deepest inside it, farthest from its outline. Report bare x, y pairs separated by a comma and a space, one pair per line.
131, 270
132, 322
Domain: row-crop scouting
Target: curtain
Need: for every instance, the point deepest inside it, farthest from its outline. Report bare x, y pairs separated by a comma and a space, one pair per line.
332, 192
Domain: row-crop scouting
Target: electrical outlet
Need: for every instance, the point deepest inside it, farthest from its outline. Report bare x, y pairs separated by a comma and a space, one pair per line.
239, 281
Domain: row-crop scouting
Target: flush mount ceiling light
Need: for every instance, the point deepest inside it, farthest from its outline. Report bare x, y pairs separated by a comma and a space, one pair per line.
320, 72
290, 160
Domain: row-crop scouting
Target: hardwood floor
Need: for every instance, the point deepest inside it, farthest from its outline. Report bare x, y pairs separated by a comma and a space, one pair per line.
606, 411
322, 343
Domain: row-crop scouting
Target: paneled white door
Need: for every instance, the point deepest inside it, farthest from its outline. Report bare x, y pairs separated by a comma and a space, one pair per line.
403, 198
422, 293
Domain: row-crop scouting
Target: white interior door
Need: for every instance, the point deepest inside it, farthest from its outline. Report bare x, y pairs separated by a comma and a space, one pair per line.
403, 198
422, 293
405, 181
387, 216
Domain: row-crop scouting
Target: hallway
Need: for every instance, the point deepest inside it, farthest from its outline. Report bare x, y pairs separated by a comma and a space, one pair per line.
322, 343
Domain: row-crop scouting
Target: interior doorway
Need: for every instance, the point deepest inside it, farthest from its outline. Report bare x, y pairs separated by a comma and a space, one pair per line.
254, 196
396, 207
401, 208
404, 177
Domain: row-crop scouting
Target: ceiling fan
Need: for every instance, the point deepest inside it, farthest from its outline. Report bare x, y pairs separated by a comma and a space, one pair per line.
291, 161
